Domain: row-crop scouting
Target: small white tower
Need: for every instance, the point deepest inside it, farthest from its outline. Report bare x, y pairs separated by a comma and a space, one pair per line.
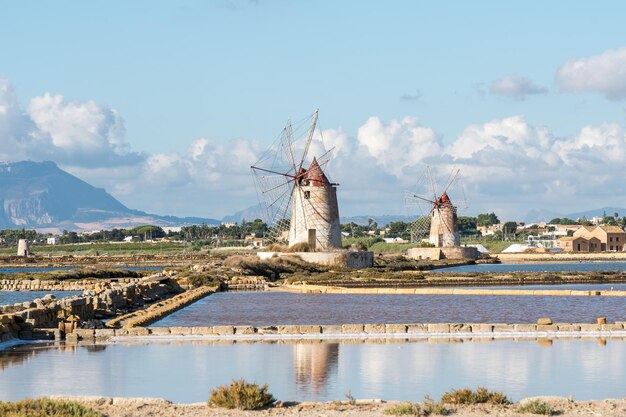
315, 213
23, 247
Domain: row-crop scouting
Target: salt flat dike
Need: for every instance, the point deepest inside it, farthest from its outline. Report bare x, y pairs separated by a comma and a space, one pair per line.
145, 407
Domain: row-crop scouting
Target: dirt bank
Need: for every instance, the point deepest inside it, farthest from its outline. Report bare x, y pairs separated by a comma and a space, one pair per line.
145, 407
561, 257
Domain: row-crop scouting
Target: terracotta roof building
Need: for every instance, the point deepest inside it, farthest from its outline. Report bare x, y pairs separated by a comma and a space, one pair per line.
595, 239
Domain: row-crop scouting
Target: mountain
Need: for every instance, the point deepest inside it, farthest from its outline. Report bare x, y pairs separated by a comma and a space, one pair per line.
249, 214
542, 215
608, 211
42, 196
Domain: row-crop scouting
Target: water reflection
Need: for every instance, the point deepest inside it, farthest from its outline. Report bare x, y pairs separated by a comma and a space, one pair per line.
314, 363
318, 371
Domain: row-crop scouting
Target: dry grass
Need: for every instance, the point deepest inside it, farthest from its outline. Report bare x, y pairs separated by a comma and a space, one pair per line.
252, 265
46, 408
481, 396
241, 395
536, 407
427, 408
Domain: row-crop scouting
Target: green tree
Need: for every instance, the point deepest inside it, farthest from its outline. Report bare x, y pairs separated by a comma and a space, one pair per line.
398, 229
487, 219
509, 228
467, 225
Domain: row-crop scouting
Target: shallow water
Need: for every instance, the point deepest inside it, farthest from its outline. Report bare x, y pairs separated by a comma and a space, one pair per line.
12, 297
185, 371
539, 267
271, 308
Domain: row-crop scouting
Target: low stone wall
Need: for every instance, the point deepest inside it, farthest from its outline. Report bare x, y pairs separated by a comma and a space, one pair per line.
450, 252
157, 311
323, 289
350, 259
25, 320
409, 330
61, 285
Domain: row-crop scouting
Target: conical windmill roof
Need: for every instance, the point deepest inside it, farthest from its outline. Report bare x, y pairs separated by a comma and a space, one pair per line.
444, 201
316, 176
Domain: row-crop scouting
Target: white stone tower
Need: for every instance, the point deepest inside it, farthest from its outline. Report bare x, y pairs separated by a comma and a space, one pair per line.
23, 247
444, 229
315, 213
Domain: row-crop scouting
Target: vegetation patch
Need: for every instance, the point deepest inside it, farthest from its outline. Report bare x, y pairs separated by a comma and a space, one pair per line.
241, 395
427, 408
403, 409
46, 408
482, 395
536, 407
76, 274
271, 268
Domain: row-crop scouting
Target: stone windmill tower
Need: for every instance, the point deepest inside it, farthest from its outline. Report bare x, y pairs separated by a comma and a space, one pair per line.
444, 228
438, 220
301, 203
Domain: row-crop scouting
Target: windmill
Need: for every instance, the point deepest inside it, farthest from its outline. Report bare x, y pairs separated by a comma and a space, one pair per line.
299, 200
437, 219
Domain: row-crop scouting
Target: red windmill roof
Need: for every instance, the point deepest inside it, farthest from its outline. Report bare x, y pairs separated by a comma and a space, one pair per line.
316, 176
444, 200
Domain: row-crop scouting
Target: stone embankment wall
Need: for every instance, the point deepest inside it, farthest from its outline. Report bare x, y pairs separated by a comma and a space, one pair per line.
449, 252
157, 311
317, 289
60, 285
40, 318
418, 330
350, 259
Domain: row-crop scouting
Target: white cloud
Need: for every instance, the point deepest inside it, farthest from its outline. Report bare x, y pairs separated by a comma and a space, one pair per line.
398, 144
604, 74
515, 86
68, 132
507, 164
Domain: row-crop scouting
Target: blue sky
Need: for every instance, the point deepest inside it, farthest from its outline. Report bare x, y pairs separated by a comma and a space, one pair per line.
168, 74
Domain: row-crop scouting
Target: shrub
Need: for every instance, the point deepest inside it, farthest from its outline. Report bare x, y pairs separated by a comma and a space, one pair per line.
241, 395
536, 407
431, 407
427, 408
350, 398
46, 408
403, 409
480, 396
301, 247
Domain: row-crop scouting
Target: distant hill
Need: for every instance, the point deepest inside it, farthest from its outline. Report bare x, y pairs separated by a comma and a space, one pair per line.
609, 211
40, 195
249, 214
536, 216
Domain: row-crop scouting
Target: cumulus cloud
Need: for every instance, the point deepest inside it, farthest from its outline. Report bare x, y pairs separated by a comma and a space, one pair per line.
69, 132
506, 164
515, 86
604, 74
399, 143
